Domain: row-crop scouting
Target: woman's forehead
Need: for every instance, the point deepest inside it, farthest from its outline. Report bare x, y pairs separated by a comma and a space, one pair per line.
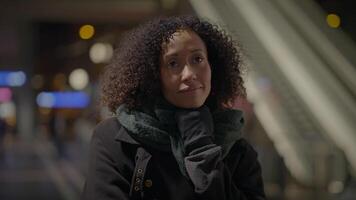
183, 40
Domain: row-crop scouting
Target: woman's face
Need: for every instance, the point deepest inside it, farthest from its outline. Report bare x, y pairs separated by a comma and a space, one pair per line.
185, 70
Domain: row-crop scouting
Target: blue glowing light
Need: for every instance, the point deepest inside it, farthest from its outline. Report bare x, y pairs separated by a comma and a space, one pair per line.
12, 78
63, 99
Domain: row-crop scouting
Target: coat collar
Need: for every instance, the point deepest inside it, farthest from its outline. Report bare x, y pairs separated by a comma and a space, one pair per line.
123, 136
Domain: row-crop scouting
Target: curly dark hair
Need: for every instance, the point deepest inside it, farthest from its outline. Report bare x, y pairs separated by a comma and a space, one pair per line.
133, 76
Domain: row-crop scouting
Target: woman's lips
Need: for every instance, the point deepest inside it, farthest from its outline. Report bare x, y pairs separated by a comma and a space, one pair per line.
189, 90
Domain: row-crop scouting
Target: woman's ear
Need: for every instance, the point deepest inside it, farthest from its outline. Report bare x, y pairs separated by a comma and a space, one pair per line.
228, 105
231, 103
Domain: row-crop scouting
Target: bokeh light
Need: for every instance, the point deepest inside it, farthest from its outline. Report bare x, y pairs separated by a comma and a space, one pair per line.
5, 94
59, 81
12, 78
62, 100
7, 109
101, 52
78, 79
37, 81
333, 20
45, 99
86, 31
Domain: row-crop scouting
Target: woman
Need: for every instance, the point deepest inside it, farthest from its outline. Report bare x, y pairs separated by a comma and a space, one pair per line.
175, 135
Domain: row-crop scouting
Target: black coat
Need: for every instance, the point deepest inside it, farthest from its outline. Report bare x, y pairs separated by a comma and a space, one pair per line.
120, 168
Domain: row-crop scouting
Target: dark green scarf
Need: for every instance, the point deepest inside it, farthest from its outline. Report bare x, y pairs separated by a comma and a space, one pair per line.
157, 128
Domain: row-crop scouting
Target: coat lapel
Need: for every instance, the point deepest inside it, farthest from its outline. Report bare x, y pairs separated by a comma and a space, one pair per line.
123, 136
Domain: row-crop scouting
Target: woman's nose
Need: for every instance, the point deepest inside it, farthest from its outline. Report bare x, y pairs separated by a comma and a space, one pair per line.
188, 73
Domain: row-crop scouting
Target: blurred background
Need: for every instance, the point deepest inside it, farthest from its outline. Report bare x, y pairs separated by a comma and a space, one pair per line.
301, 84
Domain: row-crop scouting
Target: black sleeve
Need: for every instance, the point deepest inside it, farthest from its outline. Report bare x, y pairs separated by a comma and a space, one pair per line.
103, 180
246, 177
211, 178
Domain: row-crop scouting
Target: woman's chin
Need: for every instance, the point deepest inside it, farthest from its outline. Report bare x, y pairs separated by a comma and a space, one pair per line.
189, 105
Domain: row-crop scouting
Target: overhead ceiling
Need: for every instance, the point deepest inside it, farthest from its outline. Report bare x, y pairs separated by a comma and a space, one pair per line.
127, 11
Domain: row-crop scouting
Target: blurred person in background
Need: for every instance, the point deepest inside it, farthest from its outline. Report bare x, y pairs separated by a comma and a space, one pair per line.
57, 128
175, 135
3, 131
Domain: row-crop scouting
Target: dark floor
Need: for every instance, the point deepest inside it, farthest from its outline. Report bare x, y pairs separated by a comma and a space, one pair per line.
35, 171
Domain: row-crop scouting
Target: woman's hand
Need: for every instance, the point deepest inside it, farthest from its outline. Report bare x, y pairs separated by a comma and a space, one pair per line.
195, 126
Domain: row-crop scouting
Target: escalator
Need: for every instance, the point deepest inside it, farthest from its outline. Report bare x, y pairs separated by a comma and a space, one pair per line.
302, 86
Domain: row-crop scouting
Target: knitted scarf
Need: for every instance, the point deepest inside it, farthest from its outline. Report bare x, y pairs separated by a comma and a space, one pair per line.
157, 128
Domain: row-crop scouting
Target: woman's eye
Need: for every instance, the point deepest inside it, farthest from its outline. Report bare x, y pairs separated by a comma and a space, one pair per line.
198, 59
172, 64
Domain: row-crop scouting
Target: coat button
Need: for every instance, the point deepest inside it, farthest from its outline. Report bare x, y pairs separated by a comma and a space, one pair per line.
148, 183
136, 188
138, 180
139, 171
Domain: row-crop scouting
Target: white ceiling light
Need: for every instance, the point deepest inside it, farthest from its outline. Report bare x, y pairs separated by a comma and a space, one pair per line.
78, 79
7, 109
101, 52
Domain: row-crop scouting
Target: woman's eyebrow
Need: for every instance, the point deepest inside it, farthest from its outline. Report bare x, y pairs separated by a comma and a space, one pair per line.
175, 54
171, 55
195, 50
